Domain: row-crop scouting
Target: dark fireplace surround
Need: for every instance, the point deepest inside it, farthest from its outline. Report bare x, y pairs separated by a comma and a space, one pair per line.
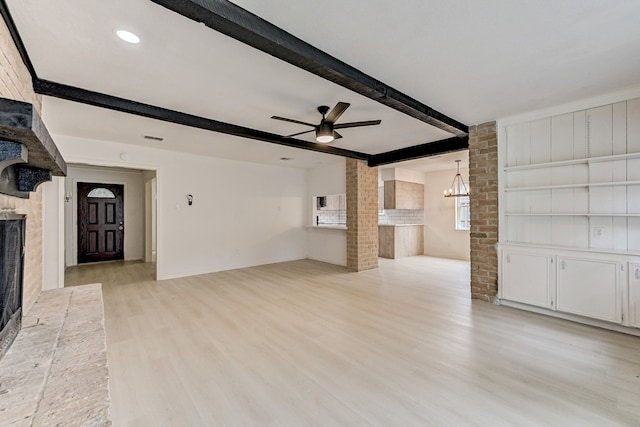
28, 157
12, 235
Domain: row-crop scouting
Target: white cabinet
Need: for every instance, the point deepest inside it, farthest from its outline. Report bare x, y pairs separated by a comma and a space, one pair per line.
526, 278
585, 283
634, 294
589, 287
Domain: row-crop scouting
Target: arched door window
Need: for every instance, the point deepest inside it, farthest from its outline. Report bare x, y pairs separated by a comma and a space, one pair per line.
101, 193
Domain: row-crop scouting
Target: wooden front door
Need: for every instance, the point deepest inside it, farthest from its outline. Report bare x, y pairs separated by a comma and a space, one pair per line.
100, 222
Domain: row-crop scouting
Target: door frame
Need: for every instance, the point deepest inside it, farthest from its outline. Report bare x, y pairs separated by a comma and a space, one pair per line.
121, 189
55, 226
74, 215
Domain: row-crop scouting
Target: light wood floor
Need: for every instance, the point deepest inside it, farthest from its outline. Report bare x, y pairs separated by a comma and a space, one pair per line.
308, 344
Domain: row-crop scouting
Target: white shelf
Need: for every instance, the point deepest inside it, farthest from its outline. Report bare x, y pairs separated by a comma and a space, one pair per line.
566, 186
572, 214
573, 162
513, 244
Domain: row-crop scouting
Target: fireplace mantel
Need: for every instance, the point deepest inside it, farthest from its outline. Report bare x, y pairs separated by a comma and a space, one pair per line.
28, 155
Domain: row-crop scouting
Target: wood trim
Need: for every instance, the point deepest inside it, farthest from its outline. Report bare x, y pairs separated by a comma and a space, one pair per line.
97, 99
420, 151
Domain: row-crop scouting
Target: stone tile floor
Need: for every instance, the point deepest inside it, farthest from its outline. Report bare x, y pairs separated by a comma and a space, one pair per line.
56, 373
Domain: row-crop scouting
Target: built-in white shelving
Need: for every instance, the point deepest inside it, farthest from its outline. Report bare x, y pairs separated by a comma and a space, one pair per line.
570, 212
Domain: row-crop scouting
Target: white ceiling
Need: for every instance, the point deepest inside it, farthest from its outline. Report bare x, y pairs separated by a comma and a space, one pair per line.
474, 61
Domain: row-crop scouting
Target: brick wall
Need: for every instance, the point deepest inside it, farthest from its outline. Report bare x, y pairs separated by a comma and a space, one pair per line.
362, 215
483, 184
15, 83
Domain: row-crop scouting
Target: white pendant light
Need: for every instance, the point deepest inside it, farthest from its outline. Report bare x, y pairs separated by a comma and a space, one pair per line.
458, 187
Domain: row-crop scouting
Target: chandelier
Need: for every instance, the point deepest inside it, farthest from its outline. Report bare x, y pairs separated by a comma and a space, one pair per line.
458, 187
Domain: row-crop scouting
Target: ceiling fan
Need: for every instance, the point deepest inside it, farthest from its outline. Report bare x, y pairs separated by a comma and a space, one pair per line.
325, 130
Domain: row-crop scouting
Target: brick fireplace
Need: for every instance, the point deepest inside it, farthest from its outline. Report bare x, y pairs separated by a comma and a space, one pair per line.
28, 157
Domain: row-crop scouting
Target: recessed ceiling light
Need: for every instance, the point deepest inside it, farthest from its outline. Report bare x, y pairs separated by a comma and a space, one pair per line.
128, 36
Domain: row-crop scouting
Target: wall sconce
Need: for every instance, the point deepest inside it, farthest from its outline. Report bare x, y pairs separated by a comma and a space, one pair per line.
68, 196
190, 199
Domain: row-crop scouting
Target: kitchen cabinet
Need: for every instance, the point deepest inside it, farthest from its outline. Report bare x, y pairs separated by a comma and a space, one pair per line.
403, 195
395, 241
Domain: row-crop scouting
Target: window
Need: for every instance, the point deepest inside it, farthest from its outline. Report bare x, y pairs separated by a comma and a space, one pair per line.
463, 214
101, 193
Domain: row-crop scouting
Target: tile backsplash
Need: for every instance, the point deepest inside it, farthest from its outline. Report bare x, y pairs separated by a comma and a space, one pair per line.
332, 217
388, 216
401, 216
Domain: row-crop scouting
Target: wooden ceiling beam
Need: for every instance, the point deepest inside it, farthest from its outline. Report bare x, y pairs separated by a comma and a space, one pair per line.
420, 151
233, 21
110, 102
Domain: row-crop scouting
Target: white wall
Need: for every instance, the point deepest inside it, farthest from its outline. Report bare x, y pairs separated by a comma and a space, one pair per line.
149, 178
244, 214
327, 245
133, 208
52, 209
441, 239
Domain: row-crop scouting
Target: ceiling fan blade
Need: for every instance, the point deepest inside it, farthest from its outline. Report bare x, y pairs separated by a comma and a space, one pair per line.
357, 124
284, 119
336, 135
336, 112
300, 133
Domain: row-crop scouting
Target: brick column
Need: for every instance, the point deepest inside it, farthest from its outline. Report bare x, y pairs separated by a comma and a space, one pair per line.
483, 184
362, 216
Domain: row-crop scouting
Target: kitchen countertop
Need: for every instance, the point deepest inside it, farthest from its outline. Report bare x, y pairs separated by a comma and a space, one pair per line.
329, 226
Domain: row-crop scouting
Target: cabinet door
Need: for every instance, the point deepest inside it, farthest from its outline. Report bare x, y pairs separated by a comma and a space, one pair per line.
589, 288
525, 278
634, 295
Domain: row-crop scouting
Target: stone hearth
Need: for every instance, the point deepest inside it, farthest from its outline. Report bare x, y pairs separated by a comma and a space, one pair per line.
56, 373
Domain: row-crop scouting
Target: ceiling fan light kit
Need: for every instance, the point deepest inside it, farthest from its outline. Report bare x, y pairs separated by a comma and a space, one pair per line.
324, 133
325, 130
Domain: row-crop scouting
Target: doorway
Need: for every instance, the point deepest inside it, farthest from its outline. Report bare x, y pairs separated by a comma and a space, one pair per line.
100, 222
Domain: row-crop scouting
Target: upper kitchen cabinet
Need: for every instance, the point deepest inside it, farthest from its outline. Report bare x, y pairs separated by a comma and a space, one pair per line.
403, 195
